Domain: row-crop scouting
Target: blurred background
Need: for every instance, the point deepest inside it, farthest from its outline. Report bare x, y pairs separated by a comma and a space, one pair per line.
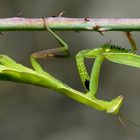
34, 113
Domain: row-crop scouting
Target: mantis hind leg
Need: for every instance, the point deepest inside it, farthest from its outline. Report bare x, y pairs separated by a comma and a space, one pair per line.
56, 52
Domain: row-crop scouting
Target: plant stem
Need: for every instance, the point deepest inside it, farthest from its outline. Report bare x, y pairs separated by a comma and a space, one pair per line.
64, 24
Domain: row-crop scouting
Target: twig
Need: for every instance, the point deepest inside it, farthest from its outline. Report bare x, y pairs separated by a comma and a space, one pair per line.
64, 24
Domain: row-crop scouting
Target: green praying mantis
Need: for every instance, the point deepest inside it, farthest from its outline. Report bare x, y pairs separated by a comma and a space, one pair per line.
90, 83
12, 71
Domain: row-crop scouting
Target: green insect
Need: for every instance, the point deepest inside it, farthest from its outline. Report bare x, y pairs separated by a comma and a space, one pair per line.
10, 70
107, 51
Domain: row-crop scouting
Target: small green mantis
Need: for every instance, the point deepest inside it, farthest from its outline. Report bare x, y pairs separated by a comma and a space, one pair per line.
107, 51
12, 71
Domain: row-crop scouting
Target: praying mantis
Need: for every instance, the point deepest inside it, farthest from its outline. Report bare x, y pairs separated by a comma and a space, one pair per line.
10, 70
107, 51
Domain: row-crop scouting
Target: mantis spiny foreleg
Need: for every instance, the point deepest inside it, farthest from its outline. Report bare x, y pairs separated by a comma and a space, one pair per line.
90, 83
106, 51
82, 69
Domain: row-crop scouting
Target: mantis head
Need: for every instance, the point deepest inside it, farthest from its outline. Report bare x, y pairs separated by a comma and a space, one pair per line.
114, 105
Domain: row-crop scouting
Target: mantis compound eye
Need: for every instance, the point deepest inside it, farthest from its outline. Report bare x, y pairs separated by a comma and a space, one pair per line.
87, 84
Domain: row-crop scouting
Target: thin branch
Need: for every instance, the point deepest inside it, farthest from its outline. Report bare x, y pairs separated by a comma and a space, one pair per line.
64, 24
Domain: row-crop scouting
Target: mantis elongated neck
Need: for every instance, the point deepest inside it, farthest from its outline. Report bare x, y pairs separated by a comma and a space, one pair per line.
95, 76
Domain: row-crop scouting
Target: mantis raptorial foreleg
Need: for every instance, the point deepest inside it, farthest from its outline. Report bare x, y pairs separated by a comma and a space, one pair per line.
82, 69
90, 83
107, 51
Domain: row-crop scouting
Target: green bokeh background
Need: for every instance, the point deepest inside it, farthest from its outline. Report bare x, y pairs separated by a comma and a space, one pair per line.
33, 113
